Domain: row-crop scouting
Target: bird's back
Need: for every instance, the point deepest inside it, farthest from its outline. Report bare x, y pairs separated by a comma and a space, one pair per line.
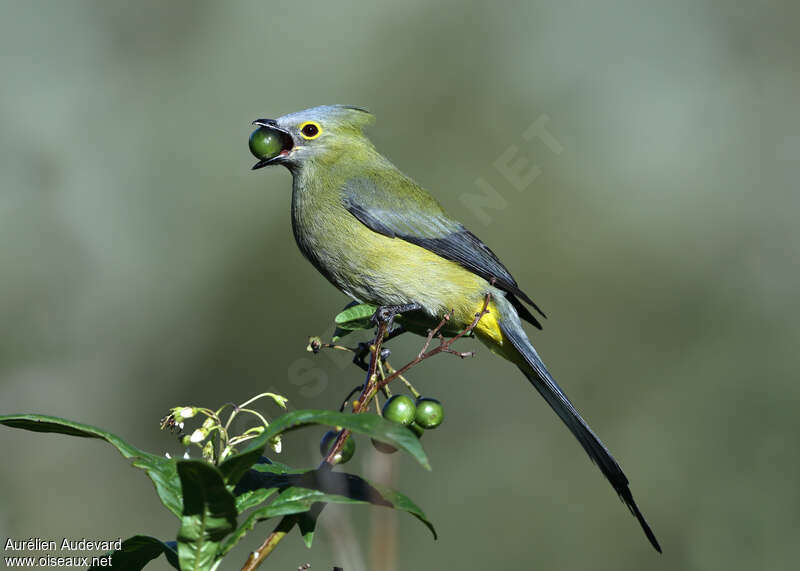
371, 266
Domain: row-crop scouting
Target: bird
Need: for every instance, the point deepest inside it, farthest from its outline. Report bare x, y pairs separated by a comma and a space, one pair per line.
382, 239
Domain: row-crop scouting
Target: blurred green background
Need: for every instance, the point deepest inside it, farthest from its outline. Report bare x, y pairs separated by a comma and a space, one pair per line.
143, 265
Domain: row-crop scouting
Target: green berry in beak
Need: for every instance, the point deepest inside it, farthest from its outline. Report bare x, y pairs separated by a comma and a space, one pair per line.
265, 143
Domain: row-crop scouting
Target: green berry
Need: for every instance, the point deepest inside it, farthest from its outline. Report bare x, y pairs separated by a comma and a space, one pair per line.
327, 442
265, 143
383, 447
399, 409
430, 413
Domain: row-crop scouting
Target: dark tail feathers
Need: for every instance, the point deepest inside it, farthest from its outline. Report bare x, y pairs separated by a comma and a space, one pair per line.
555, 397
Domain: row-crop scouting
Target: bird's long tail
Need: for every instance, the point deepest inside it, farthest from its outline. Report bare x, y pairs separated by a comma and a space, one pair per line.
502, 331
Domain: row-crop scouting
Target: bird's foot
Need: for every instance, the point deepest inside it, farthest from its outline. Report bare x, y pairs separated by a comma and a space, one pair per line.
387, 313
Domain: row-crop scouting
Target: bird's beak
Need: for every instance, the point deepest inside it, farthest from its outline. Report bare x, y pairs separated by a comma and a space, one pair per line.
287, 143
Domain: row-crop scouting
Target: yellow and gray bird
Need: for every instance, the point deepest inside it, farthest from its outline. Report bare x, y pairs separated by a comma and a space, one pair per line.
381, 239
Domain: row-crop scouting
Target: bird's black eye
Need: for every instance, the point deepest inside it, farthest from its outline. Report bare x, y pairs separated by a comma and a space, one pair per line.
310, 130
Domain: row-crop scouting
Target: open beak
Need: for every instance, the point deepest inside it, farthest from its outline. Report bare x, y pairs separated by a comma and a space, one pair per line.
282, 135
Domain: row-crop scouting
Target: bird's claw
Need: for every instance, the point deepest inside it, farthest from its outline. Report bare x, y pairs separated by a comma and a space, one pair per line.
387, 313
384, 314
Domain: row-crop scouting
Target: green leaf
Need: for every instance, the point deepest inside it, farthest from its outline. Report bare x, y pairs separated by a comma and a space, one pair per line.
290, 502
164, 475
338, 333
253, 489
273, 467
304, 493
403, 503
209, 514
43, 423
298, 500
252, 498
160, 470
356, 317
344, 488
370, 424
307, 524
138, 551
284, 504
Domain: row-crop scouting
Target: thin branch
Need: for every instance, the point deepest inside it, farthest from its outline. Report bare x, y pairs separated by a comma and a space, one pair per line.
371, 386
434, 332
347, 398
288, 522
257, 557
404, 380
444, 345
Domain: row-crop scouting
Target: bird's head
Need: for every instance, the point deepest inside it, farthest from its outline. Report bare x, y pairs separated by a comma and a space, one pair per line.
318, 133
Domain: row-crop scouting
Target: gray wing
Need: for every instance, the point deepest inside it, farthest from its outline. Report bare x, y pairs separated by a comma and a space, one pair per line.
414, 216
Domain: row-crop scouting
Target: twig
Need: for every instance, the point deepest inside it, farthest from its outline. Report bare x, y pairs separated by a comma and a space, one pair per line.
347, 398
404, 380
371, 386
433, 332
257, 557
444, 345
288, 522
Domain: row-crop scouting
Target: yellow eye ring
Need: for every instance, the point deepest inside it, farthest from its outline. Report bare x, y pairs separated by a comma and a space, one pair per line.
310, 130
